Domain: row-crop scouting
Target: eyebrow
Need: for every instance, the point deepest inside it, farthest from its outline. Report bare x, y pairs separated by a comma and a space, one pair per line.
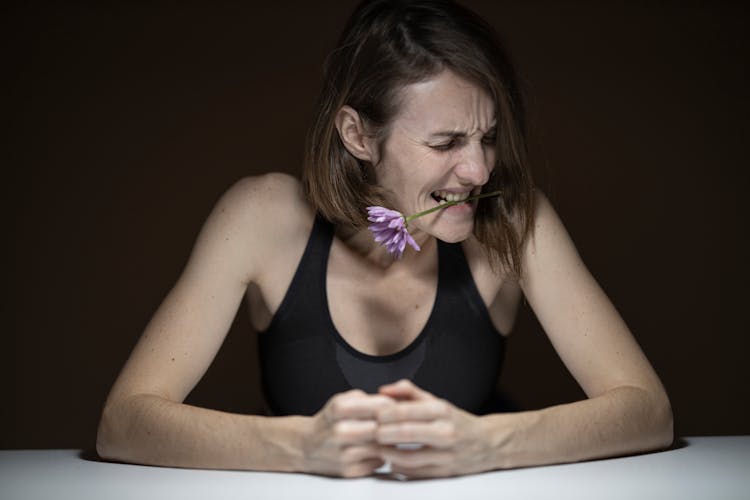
455, 133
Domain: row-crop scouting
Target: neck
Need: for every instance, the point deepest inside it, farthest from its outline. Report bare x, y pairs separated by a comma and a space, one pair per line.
362, 243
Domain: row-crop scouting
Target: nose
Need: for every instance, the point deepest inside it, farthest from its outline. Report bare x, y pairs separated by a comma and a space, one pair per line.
474, 165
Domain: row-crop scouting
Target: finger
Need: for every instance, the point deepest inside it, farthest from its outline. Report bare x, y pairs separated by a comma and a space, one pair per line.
426, 410
361, 452
404, 389
361, 460
357, 405
425, 457
438, 433
422, 472
361, 469
349, 432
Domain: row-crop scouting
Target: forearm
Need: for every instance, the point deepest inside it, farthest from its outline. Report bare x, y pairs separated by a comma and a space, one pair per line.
622, 421
151, 430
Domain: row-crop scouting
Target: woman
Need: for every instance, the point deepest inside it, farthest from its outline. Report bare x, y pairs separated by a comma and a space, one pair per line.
367, 358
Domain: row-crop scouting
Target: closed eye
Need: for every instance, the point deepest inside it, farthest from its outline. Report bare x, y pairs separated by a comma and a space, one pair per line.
490, 138
447, 146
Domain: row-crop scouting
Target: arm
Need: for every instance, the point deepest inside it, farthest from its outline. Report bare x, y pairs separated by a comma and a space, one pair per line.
145, 420
338, 441
627, 411
154, 430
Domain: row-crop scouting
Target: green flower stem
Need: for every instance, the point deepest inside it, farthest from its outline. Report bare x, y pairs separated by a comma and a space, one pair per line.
450, 204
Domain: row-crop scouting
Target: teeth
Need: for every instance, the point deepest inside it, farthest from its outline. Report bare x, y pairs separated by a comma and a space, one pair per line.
445, 196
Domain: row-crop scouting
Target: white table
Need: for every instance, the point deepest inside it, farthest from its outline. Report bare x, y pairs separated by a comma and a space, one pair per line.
699, 467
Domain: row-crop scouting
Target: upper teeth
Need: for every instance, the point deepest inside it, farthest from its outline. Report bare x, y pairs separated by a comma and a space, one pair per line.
445, 195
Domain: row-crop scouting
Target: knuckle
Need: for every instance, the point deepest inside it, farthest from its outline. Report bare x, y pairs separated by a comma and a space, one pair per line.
349, 455
406, 432
382, 434
339, 406
347, 432
381, 401
337, 397
399, 412
446, 431
334, 405
341, 430
354, 470
441, 407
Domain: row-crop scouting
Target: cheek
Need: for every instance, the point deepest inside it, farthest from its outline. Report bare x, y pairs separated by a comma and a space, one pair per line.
391, 177
401, 173
491, 158
395, 182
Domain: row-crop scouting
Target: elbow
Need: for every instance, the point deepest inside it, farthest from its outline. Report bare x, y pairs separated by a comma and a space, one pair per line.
121, 436
651, 421
114, 436
664, 422
659, 429
106, 434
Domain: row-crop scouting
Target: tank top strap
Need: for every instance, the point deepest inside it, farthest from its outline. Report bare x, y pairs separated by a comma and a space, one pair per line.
304, 291
457, 285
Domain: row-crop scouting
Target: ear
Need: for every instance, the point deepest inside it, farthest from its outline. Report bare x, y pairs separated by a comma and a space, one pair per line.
353, 134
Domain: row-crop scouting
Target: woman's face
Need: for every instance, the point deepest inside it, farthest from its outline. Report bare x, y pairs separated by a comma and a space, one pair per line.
441, 145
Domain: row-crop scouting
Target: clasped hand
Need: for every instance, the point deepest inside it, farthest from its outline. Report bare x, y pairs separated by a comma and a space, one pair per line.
356, 433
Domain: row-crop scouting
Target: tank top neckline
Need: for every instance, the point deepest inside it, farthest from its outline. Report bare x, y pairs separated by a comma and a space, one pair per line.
346, 345
304, 361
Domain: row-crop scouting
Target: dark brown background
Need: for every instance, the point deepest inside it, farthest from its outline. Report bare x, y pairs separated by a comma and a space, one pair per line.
127, 122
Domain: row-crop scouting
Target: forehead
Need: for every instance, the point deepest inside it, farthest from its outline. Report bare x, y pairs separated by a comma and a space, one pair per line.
446, 101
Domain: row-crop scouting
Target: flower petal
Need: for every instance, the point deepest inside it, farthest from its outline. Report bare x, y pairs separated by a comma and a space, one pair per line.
389, 229
412, 243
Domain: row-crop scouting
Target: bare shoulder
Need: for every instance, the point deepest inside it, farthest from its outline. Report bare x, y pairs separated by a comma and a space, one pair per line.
268, 191
260, 217
549, 241
274, 201
545, 216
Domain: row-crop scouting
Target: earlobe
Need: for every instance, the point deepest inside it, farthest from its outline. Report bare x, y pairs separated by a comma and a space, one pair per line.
352, 133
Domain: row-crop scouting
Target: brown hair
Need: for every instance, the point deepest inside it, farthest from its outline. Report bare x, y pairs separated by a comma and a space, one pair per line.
386, 45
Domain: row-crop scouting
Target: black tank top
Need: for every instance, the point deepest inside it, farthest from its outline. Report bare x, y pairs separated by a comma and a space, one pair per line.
305, 361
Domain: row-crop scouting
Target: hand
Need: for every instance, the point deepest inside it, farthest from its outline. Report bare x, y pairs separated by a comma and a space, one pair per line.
453, 441
341, 440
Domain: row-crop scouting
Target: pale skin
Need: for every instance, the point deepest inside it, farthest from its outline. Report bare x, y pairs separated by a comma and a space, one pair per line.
245, 253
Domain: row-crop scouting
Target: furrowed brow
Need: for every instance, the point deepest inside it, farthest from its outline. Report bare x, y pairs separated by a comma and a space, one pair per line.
448, 133
456, 133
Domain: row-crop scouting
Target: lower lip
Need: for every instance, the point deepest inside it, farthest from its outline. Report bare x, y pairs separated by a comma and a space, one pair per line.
460, 209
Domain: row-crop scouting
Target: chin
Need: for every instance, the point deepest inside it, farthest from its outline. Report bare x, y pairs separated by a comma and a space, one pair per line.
454, 235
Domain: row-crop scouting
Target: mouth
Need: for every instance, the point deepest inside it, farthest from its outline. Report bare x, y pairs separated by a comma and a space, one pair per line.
442, 197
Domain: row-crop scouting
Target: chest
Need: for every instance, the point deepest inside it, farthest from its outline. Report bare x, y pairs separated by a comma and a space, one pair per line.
375, 312
378, 313
332, 310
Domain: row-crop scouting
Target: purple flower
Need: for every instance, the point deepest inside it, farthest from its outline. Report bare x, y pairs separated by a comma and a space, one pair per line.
389, 229
389, 226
